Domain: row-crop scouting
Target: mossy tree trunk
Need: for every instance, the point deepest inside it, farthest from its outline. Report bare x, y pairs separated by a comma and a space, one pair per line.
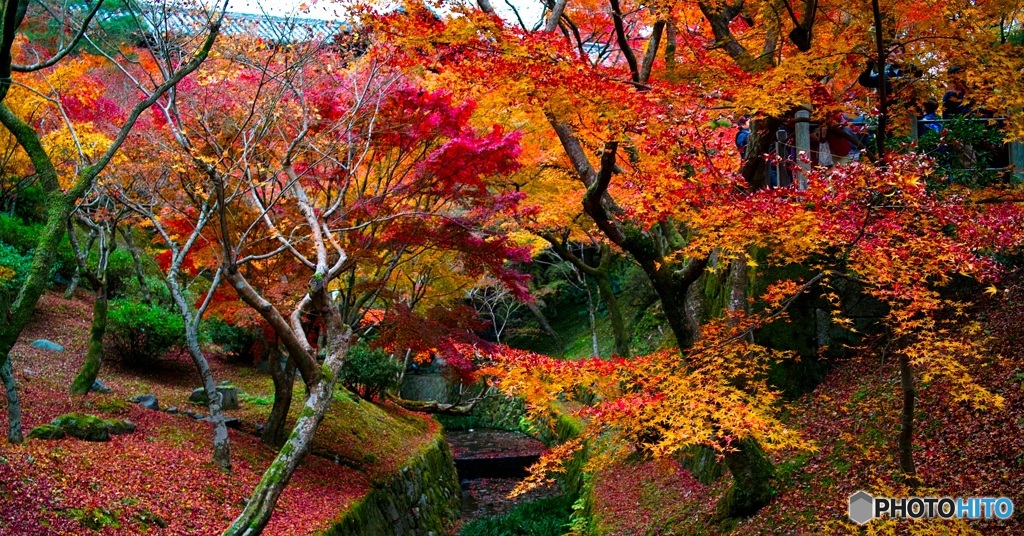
83, 382
258, 509
14, 434
283, 373
619, 332
321, 386
97, 277
752, 474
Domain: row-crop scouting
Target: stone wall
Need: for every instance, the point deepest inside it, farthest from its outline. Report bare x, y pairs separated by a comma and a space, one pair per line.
423, 499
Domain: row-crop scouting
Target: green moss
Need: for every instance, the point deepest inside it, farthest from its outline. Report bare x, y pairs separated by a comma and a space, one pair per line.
423, 497
95, 519
326, 371
90, 427
112, 405
47, 431
256, 399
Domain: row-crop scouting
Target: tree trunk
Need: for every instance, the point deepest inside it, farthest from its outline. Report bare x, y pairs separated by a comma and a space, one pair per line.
593, 321
737, 282
257, 511
673, 301
75, 279
283, 373
543, 321
58, 210
752, 473
695, 308
906, 441
140, 275
604, 288
221, 441
13, 404
93, 358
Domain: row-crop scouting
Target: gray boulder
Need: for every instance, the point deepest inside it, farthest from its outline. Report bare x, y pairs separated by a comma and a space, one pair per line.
148, 402
199, 397
228, 396
100, 387
44, 344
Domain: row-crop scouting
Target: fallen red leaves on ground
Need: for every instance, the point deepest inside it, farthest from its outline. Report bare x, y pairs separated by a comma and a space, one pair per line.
159, 478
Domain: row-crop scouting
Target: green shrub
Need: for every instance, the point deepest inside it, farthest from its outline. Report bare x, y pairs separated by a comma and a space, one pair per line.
241, 343
64, 262
370, 372
120, 270
15, 232
543, 517
27, 202
138, 334
157, 290
14, 268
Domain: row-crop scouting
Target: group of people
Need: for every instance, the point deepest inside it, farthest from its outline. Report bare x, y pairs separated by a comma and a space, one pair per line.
839, 139
837, 142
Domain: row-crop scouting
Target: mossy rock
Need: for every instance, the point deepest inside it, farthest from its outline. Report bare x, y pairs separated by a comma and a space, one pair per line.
47, 431
90, 427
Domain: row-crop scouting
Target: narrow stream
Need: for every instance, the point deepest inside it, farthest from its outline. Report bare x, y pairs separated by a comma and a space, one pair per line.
490, 464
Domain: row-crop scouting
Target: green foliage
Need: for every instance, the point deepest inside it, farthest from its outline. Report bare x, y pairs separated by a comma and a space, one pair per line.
157, 290
496, 411
64, 262
14, 268
241, 343
15, 232
966, 150
138, 334
370, 372
543, 517
256, 400
23, 199
94, 518
120, 270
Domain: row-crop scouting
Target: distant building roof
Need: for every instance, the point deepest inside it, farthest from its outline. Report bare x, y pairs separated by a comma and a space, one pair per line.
272, 28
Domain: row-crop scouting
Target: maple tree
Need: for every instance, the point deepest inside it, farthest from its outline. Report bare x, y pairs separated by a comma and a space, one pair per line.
68, 153
641, 130
361, 180
101, 217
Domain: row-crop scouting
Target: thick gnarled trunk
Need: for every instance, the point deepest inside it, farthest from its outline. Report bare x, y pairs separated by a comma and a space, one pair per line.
261, 503
83, 382
752, 474
282, 370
